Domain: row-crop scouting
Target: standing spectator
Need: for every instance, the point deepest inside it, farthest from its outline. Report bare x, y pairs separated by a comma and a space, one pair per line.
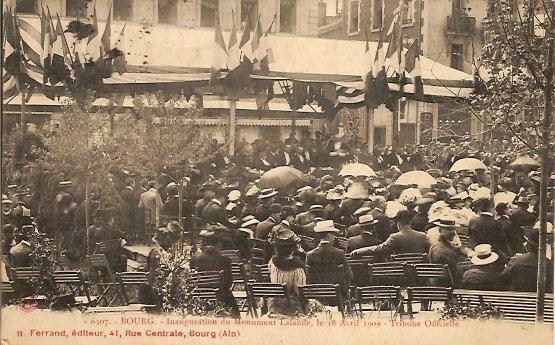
129, 207
514, 233
151, 202
486, 229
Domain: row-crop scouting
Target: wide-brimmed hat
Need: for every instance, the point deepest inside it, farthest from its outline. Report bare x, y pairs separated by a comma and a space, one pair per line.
285, 236
361, 211
483, 255
303, 189
366, 220
522, 201
316, 207
334, 195
247, 218
267, 193
461, 197
65, 184
253, 191
325, 226
445, 223
425, 201
5, 199
234, 195
250, 222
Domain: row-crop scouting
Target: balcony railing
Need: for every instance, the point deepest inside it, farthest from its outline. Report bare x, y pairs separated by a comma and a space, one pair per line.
461, 25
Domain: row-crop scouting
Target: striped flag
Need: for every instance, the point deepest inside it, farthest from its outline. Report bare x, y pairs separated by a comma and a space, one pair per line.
219, 53
9, 82
233, 52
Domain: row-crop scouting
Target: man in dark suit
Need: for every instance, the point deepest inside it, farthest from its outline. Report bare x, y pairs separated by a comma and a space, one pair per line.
514, 233
266, 198
355, 229
382, 228
521, 273
129, 205
305, 218
406, 240
283, 156
521, 216
323, 261
264, 228
211, 259
366, 238
486, 229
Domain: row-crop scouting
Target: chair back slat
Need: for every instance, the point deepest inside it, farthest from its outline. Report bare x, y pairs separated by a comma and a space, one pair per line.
430, 293
262, 273
342, 242
233, 254
67, 277
205, 293
388, 269
108, 246
238, 273
412, 258
267, 290
25, 273
319, 291
464, 240
133, 278
7, 287
206, 279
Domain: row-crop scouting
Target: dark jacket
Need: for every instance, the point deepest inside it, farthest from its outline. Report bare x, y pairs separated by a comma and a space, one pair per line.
514, 234
480, 279
320, 262
215, 213
522, 271
406, 241
486, 229
522, 217
264, 228
444, 253
363, 240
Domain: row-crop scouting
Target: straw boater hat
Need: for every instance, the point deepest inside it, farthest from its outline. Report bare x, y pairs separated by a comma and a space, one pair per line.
483, 255
234, 195
267, 193
5, 199
316, 207
445, 223
367, 220
325, 226
461, 197
247, 218
65, 184
361, 211
250, 222
522, 200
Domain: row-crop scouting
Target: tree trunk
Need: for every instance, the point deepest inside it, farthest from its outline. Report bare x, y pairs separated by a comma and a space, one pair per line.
544, 202
87, 215
180, 213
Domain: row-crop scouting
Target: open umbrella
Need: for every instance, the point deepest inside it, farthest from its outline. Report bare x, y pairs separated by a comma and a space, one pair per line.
525, 162
357, 169
419, 178
280, 177
471, 164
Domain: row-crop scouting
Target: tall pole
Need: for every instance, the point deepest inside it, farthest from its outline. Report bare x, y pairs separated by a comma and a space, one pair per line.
395, 129
370, 129
232, 108
544, 202
293, 124
23, 120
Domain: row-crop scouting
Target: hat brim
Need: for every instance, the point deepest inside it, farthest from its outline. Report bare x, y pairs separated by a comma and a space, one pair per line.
265, 196
324, 230
373, 222
445, 226
486, 261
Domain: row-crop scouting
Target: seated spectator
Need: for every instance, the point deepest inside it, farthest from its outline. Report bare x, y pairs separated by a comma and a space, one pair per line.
20, 254
521, 273
367, 238
211, 259
286, 268
444, 252
355, 230
484, 275
406, 240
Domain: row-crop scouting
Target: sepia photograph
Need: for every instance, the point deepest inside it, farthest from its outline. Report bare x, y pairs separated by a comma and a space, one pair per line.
277, 171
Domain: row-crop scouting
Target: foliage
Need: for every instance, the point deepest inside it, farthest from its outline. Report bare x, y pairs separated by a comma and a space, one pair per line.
171, 285
44, 257
513, 72
464, 310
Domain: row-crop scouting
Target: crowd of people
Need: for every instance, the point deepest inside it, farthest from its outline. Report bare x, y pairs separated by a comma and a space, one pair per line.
307, 227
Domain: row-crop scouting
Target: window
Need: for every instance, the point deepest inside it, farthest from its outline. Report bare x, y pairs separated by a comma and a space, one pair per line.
123, 9
249, 8
27, 6
407, 12
208, 9
377, 15
76, 8
457, 56
167, 11
353, 15
287, 16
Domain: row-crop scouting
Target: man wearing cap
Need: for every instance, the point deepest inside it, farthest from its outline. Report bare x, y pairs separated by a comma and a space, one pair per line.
324, 260
233, 208
266, 198
521, 216
305, 218
486, 229
7, 211
244, 234
521, 273
484, 274
355, 229
420, 220
406, 240
366, 238
214, 213
264, 228
443, 251
171, 205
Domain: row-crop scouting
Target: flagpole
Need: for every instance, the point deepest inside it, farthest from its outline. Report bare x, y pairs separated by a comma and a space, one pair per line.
23, 121
370, 129
232, 108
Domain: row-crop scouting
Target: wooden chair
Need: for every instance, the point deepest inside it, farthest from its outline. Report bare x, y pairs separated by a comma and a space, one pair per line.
388, 272
360, 268
265, 291
324, 293
7, 292
78, 287
380, 297
233, 254
410, 258
433, 274
463, 266
261, 273
103, 277
426, 295
114, 253
205, 279
258, 251
127, 279
23, 278
239, 287
464, 240
514, 306
108, 246
341, 242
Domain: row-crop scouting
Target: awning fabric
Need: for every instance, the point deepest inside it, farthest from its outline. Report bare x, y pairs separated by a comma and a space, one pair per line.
171, 56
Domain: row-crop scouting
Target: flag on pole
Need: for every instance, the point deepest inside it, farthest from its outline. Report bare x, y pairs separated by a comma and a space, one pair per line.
377, 90
367, 61
219, 54
265, 42
105, 40
233, 52
9, 81
412, 58
120, 64
244, 46
93, 42
255, 41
